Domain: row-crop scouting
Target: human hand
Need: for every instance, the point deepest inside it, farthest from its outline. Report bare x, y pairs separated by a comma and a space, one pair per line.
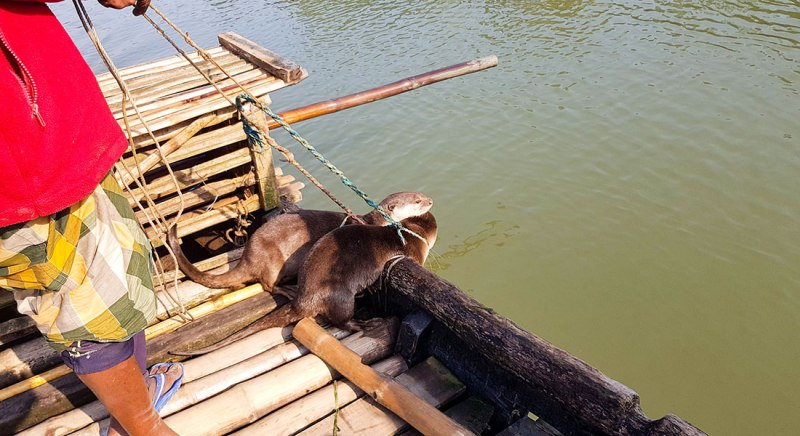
139, 6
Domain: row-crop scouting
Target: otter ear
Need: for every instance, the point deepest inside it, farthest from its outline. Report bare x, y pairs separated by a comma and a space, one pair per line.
391, 207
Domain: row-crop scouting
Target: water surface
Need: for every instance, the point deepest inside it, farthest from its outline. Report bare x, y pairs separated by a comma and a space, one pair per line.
625, 184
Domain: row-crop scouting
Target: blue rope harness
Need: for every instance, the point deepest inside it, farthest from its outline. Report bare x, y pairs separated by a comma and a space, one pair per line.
254, 136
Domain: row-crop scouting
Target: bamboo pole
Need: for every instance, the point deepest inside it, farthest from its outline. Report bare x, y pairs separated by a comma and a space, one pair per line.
250, 400
225, 259
399, 87
164, 133
191, 222
392, 395
301, 413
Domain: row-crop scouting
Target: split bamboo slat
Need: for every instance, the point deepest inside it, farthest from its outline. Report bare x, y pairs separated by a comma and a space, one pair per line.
300, 414
204, 377
108, 84
250, 400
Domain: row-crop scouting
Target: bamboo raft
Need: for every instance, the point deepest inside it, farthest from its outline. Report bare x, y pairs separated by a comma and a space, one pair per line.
434, 348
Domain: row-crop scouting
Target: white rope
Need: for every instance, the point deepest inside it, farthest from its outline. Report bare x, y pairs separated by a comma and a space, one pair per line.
159, 220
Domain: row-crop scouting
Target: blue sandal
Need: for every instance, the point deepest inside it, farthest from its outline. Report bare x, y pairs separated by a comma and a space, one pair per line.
161, 397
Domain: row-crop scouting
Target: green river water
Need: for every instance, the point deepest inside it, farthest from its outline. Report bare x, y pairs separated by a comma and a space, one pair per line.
624, 184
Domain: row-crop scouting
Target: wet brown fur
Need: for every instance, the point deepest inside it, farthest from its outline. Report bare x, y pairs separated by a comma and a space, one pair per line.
277, 250
339, 266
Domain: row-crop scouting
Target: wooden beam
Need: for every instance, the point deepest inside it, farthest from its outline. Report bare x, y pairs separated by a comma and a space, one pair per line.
567, 386
271, 62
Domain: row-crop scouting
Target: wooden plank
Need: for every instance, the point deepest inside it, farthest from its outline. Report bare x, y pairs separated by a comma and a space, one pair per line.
6, 299
261, 156
248, 401
473, 413
429, 380
526, 426
301, 413
275, 64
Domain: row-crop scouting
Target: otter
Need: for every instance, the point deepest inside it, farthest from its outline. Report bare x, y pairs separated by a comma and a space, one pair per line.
339, 266
277, 250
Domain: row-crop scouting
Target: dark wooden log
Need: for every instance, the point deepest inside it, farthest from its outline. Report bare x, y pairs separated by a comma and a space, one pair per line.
26, 359
267, 60
34, 406
211, 328
564, 385
15, 329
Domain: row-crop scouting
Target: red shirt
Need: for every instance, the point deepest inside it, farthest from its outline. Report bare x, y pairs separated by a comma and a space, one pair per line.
57, 135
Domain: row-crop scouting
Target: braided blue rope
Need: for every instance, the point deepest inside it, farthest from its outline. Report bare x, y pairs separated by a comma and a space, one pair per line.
253, 134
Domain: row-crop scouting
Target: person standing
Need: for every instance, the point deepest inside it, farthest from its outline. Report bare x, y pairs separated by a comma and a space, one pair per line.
71, 249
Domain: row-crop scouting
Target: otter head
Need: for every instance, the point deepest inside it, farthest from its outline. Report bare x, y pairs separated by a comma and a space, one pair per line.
402, 205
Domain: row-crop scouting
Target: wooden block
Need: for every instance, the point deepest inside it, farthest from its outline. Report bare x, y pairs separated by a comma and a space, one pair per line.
411, 336
271, 62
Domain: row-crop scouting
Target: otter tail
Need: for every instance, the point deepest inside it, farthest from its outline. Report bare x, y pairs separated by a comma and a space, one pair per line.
235, 277
279, 317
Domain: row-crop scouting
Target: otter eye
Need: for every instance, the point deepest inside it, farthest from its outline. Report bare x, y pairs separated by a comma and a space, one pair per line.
419, 201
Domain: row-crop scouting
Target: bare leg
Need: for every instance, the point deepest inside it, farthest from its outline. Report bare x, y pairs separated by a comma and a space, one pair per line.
123, 392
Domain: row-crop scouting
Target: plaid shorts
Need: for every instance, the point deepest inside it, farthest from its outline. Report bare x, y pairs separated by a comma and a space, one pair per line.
84, 273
